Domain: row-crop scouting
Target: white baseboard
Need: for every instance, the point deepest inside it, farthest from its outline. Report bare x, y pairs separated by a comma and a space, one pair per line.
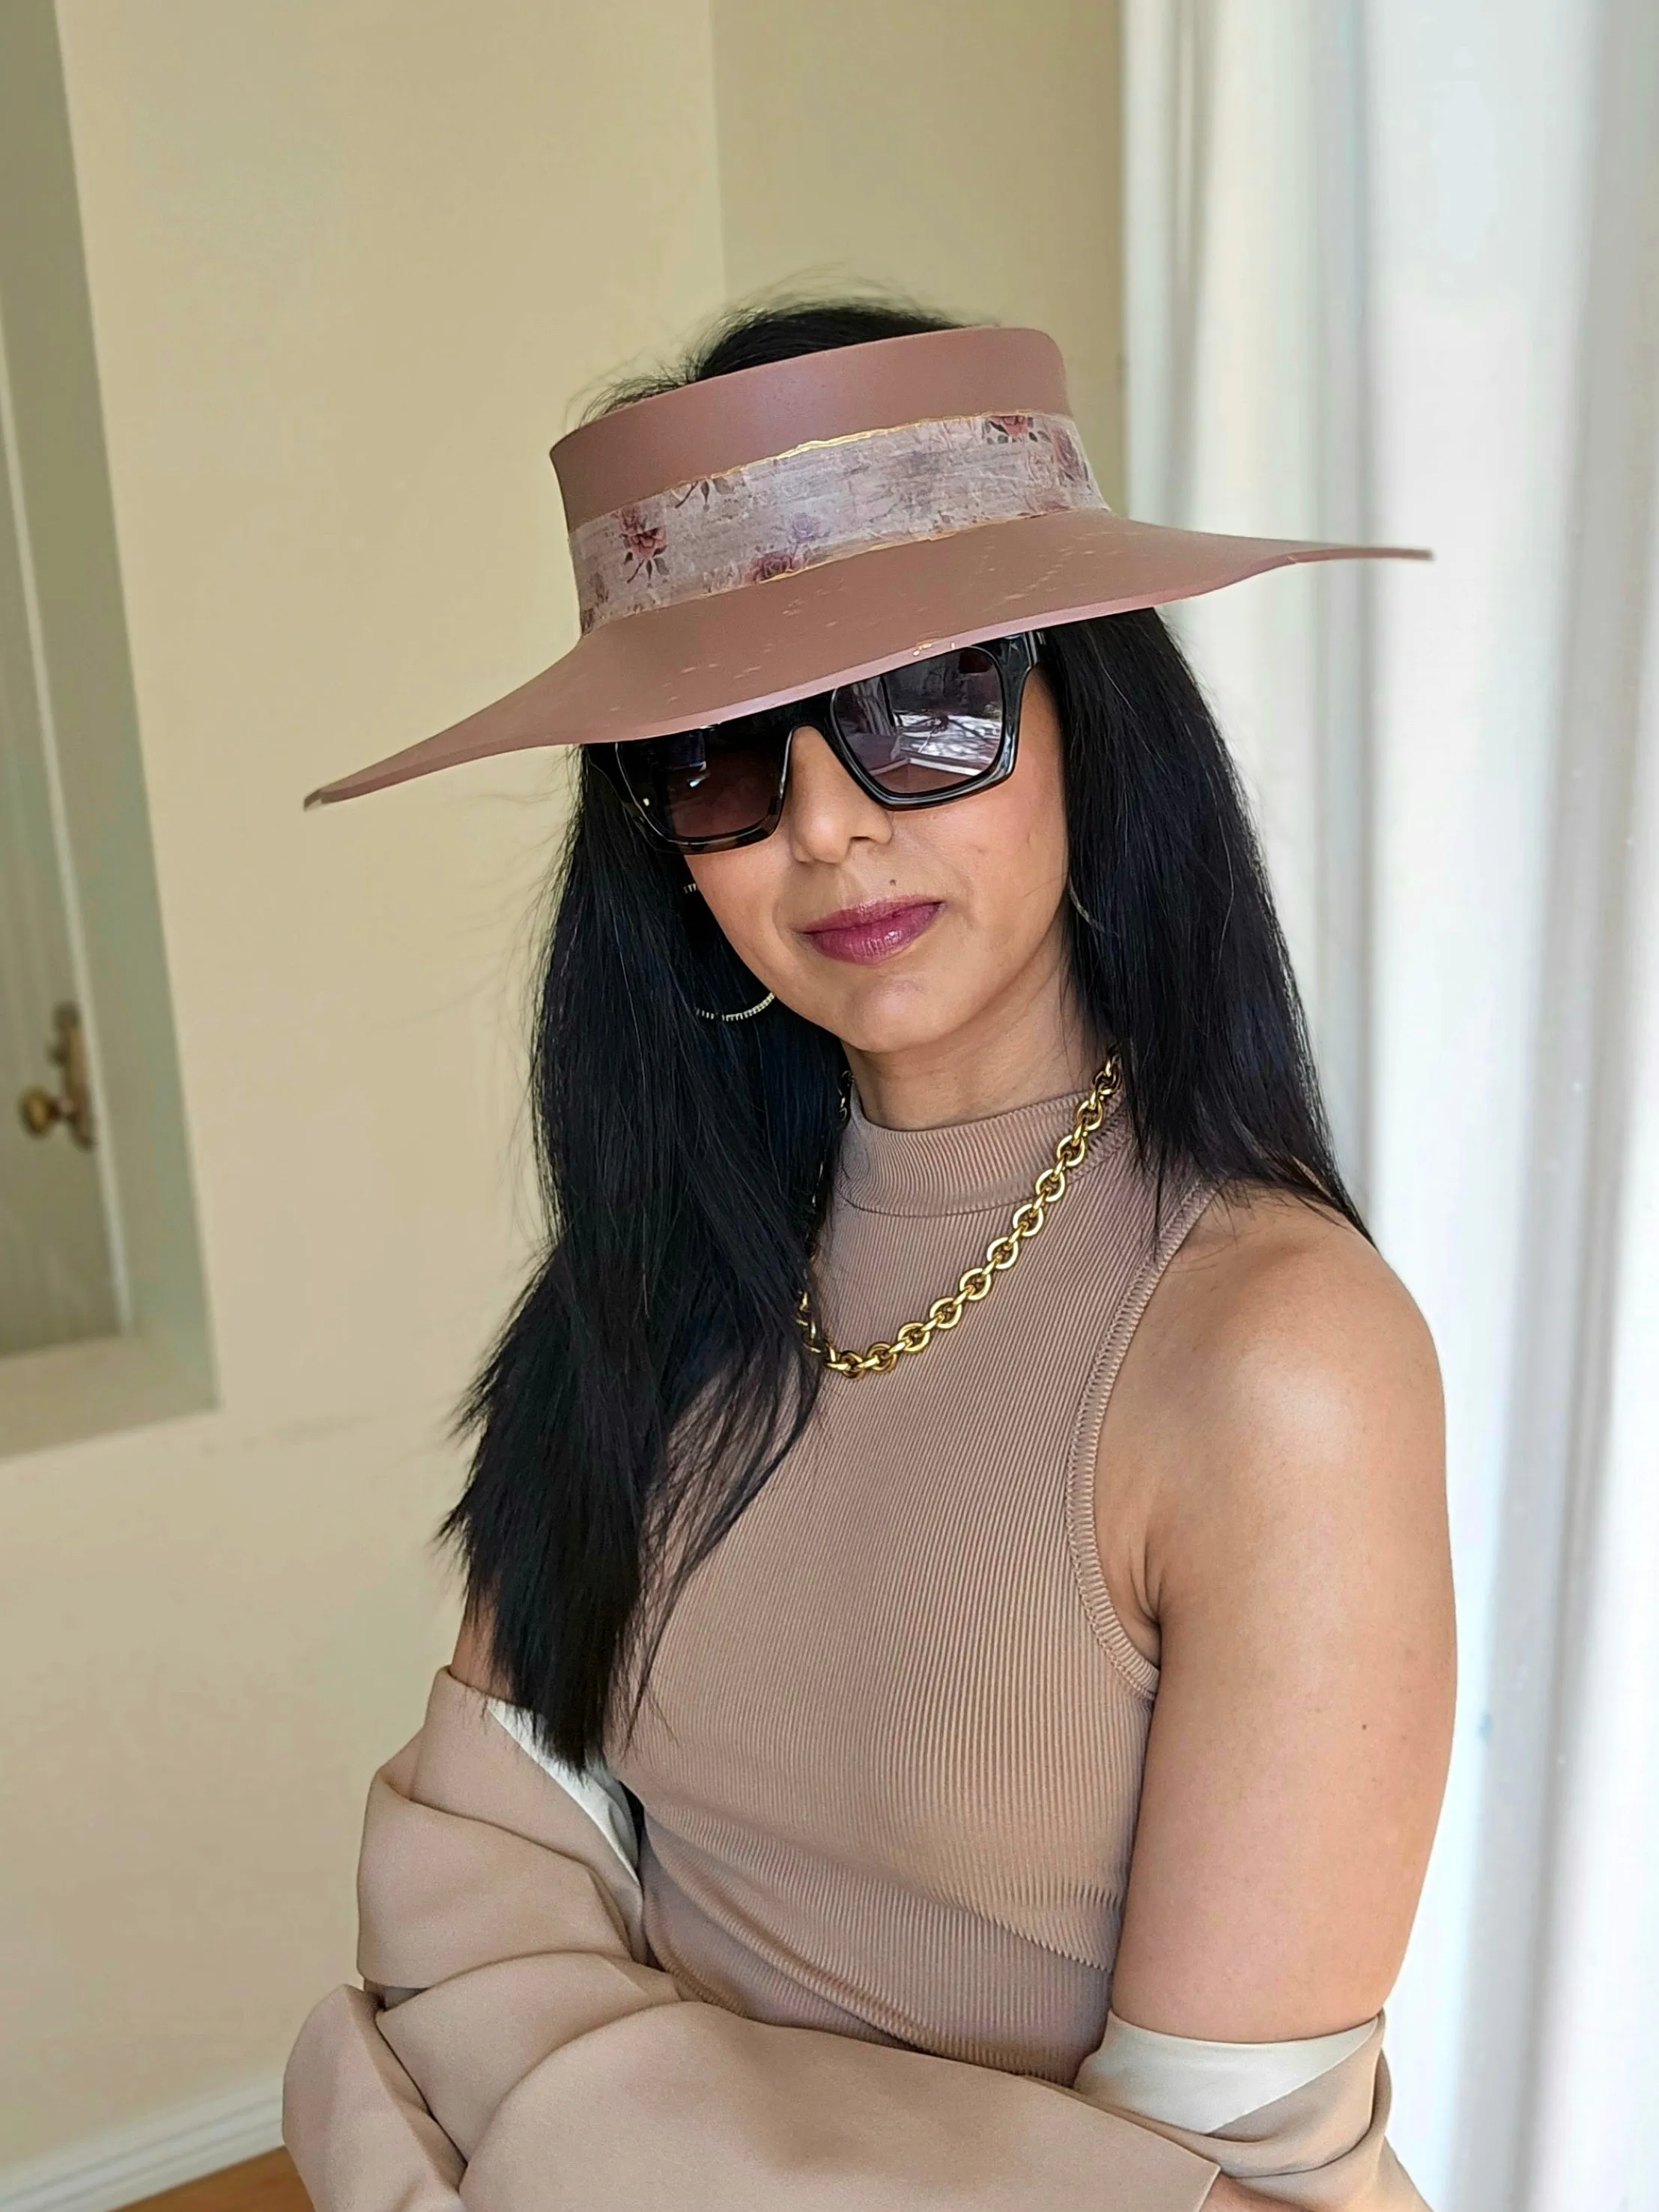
181, 2145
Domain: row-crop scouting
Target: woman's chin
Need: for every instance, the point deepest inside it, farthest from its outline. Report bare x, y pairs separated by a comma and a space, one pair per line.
883, 1017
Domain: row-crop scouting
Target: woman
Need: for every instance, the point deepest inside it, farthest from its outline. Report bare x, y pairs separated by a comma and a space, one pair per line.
972, 1730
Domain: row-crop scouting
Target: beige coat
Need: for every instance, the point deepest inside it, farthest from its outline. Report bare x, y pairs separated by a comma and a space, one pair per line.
513, 2050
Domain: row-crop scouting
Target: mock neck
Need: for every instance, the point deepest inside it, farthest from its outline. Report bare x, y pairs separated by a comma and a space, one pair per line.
961, 1167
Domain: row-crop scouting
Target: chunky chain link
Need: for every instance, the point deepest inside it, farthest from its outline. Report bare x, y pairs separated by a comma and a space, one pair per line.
944, 1313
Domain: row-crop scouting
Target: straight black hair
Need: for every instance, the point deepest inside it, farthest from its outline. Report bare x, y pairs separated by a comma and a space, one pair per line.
652, 1375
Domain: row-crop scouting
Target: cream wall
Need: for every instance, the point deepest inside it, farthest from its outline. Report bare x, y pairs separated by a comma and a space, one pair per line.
349, 264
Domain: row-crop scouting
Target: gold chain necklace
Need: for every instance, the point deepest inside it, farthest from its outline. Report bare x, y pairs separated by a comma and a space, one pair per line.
944, 1313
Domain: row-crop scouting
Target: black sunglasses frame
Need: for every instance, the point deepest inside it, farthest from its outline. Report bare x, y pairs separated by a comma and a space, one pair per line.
1014, 658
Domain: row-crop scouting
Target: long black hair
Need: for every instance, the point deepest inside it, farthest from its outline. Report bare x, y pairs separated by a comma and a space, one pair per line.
683, 1161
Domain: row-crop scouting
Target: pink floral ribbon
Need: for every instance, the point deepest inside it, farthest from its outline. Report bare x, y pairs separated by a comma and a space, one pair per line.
824, 502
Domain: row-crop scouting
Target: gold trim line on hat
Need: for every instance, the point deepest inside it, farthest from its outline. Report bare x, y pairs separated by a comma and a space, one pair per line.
823, 501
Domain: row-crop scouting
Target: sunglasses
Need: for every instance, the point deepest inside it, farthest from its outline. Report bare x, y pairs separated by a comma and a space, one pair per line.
931, 731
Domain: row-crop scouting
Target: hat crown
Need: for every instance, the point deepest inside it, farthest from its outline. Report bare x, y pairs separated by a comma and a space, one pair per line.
700, 431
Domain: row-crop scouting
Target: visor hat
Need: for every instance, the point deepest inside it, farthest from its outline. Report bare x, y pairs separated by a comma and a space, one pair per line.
762, 537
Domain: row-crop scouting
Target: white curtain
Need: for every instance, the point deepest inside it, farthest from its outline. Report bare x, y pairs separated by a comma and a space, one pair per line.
1394, 270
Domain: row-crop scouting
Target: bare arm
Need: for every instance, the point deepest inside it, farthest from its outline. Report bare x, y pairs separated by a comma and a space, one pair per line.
1271, 1516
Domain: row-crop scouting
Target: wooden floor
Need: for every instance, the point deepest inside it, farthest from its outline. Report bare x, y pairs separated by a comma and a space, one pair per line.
263, 2185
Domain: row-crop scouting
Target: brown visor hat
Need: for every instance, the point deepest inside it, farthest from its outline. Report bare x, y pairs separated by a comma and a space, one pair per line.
767, 535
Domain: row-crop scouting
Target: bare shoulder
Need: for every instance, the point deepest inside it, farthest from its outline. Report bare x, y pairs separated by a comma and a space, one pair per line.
1281, 1311
1282, 1386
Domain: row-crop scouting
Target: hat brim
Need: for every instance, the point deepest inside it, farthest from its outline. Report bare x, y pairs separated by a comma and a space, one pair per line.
702, 661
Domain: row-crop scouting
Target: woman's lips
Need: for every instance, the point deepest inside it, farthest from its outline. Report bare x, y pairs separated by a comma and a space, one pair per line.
866, 934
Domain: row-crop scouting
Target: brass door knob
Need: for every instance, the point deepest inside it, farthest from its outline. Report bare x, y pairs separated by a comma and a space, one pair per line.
40, 1110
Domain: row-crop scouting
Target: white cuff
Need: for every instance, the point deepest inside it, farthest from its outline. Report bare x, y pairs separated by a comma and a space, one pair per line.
1187, 2083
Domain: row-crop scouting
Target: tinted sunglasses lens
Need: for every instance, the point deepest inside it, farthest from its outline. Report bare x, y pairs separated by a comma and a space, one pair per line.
927, 726
708, 783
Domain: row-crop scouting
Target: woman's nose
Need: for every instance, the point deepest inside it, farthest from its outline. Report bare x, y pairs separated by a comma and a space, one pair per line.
825, 812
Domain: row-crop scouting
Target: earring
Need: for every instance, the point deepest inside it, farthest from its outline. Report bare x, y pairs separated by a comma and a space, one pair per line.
745, 1014
1077, 906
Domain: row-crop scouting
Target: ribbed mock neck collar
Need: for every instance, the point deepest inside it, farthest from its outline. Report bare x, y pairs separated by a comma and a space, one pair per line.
961, 1167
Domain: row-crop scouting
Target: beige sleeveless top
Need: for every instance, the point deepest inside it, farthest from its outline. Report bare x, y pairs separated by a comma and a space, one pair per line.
891, 1756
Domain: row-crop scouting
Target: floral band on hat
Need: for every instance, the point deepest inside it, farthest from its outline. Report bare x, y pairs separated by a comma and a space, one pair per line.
825, 501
